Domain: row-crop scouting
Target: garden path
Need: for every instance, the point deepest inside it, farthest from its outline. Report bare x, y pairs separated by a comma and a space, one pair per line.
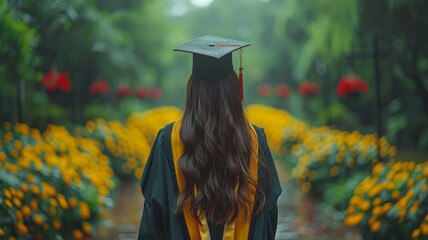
301, 217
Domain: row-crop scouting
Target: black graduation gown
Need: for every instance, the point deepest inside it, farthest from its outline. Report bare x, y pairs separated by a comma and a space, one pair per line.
159, 187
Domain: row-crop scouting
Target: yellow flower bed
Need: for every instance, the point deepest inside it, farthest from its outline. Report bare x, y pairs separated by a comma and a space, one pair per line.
126, 147
148, 124
51, 183
151, 121
278, 125
392, 202
316, 156
128, 144
323, 154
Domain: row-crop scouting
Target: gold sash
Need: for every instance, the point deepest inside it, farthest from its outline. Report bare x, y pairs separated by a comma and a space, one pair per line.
236, 230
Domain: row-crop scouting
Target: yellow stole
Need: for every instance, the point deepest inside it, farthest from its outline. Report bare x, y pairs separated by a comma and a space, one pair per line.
236, 230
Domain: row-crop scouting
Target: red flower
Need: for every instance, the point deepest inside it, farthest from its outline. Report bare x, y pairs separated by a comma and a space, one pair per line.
283, 90
123, 91
142, 93
53, 81
99, 87
264, 90
351, 85
155, 93
64, 82
307, 89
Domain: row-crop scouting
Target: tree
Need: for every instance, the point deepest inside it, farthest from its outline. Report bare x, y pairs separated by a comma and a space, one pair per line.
17, 59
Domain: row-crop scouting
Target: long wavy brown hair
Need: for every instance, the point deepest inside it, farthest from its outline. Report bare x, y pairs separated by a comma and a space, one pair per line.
217, 151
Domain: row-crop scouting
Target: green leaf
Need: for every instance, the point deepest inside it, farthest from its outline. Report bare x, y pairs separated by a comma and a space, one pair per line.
9, 178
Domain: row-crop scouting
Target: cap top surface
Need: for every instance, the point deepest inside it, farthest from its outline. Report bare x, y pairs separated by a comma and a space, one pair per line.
211, 46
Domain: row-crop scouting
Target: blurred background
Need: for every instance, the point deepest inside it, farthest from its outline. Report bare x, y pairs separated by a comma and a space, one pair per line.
340, 86
69, 61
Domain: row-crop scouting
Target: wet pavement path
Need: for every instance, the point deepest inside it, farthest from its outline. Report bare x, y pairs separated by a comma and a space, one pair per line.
300, 216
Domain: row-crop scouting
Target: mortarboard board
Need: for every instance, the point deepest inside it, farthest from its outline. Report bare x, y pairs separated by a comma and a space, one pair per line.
212, 56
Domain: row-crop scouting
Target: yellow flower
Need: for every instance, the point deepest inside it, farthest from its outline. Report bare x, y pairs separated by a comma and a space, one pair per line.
77, 234
35, 189
72, 201
53, 202
38, 219
90, 126
7, 193
17, 202
396, 194
8, 203
390, 186
86, 227
3, 156
57, 224
34, 204
364, 205
375, 226
386, 207
350, 210
371, 220
306, 187
334, 171
26, 210
18, 145
20, 194
416, 233
377, 168
410, 182
354, 219
1, 232
49, 189
354, 200
22, 229
392, 151
62, 201
377, 211
377, 201
374, 191
84, 210
411, 166
413, 208
19, 215
424, 228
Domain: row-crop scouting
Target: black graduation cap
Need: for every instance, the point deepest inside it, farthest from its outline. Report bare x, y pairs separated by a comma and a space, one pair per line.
212, 55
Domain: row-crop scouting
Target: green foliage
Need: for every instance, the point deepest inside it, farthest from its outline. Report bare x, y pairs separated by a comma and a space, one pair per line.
17, 57
326, 30
339, 116
338, 194
49, 113
94, 110
17, 43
